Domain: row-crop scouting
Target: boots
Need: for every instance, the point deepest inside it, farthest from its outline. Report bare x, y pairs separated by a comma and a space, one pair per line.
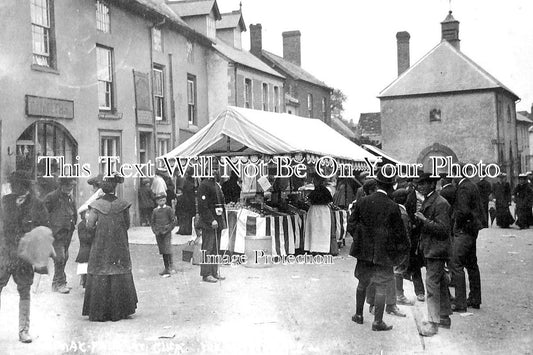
379, 324
24, 321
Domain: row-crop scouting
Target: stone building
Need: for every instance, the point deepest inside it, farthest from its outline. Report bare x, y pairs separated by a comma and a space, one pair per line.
447, 105
523, 125
305, 95
86, 78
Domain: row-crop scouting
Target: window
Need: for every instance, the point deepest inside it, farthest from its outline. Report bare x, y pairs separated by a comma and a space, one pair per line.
159, 93
276, 99
109, 146
163, 145
191, 99
42, 32
211, 29
265, 97
157, 39
248, 93
310, 104
508, 113
105, 77
190, 51
324, 110
434, 115
144, 146
103, 21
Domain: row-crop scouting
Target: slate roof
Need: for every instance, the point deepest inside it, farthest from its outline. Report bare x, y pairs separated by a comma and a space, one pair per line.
186, 8
370, 123
520, 117
443, 69
293, 70
245, 58
341, 127
231, 20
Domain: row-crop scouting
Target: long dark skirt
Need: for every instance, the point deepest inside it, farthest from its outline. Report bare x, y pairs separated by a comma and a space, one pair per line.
503, 216
109, 297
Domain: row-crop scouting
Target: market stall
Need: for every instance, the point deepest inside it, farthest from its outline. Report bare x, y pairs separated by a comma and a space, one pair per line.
258, 135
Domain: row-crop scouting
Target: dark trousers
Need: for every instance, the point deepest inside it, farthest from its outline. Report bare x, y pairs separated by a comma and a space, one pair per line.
211, 245
146, 215
390, 298
464, 256
438, 297
382, 277
22, 275
61, 245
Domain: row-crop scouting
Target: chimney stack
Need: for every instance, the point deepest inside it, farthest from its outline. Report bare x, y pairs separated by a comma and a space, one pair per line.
402, 41
450, 31
291, 47
256, 40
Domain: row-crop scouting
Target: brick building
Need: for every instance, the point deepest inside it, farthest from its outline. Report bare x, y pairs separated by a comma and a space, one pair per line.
93, 77
447, 105
305, 95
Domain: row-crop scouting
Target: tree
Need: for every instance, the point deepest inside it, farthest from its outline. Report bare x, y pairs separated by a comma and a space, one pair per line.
337, 100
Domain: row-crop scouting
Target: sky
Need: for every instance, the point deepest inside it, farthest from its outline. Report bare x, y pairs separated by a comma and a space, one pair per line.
351, 44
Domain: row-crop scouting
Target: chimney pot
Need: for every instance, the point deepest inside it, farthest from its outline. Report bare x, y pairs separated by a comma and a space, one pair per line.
402, 41
256, 40
292, 47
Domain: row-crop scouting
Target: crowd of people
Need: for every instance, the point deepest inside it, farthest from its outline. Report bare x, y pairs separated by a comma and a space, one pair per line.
399, 226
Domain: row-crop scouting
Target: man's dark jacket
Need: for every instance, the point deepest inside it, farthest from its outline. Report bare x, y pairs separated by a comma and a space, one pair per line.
467, 209
435, 240
448, 192
378, 231
62, 210
210, 197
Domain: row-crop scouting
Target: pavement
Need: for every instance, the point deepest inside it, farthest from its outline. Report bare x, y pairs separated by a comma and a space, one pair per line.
281, 309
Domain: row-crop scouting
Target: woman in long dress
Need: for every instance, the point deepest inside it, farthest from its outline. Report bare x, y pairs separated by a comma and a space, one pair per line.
110, 292
318, 226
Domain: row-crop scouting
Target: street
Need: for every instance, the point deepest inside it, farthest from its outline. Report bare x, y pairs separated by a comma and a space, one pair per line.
283, 309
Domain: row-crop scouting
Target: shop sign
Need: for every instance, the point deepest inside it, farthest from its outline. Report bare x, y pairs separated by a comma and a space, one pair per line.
48, 107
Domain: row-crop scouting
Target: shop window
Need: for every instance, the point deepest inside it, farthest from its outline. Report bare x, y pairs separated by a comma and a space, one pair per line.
44, 138
103, 20
104, 58
42, 28
159, 93
191, 100
434, 115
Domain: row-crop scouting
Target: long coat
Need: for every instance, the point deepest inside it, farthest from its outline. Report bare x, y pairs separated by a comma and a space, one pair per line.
110, 254
18, 220
435, 237
467, 209
210, 197
378, 231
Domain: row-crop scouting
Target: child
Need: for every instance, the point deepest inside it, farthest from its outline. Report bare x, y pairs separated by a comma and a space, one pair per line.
85, 236
162, 223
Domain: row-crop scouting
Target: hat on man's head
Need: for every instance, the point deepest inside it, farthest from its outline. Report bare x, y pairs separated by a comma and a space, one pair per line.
64, 181
400, 195
427, 177
160, 196
96, 180
502, 175
115, 178
21, 177
522, 176
382, 179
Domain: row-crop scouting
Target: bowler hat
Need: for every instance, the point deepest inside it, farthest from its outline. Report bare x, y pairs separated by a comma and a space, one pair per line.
115, 178
427, 177
389, 180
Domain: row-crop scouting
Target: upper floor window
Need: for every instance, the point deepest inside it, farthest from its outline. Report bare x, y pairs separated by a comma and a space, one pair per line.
191, 99
159, 93
310, 104
104, 58
324, 108
157, 39
508, 113
434, 115
265, 97
276, 99
103, 21
211, 28
42, 32
247, 93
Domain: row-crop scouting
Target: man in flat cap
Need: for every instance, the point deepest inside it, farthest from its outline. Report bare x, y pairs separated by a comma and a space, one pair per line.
21, 213
63, 216
380, 242
435, 245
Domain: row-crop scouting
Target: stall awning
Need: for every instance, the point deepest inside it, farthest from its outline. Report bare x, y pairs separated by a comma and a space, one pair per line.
240, 131
386, 158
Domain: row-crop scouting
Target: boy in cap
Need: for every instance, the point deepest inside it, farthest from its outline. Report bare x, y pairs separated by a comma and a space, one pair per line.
163, 221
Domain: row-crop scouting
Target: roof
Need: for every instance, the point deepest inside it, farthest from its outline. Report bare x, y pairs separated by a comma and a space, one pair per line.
231, 20
521, 118
245, 58
159, 7
293, 70
444, 69
341, 127
370, 123
271, 134
386, 158
186, 8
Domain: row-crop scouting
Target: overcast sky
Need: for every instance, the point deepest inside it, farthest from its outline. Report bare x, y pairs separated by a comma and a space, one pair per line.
351, 44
